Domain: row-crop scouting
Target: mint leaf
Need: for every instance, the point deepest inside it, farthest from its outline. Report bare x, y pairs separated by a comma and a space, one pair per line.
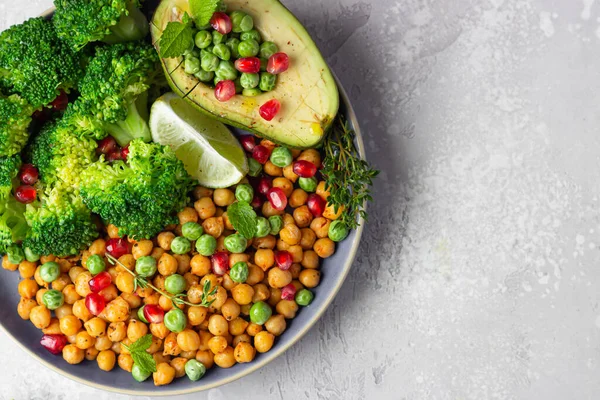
243, 218
177, 38
142, 344
203, 10
144, 360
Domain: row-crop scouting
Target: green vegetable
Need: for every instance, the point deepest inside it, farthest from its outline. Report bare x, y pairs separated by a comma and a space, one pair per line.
192, 230
251, 34
194, 369
338, 231
281, 157
222, 51
175, 284
236, 243
267, 49
248, 48
304, 297
209, 61
251, 93
203, 39
263, 228
239, 272
206, 245
95, 264
192, 53
145, 266
267, 81
180, 245
249, 81
205, 76
175, 320
243, 218
238, 86
202, 10
244, 192
49, 271
139, 374
177, 38
30, 255
263, 64
15, 254
260, 312
233, 44
140, 314
53, 299
276, 222
241, 22
192, 65
308, 184
254, 167
143, 362
15, 117
218, 37
226, 71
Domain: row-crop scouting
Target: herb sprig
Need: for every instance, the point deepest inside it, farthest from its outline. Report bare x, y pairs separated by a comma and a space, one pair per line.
141, 357
348, 178
177, 299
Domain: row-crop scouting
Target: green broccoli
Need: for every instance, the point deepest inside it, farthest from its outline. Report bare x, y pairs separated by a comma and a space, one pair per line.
13, 226
9, 167
36, 64
140, 196
15, 117
112, 21
114, 93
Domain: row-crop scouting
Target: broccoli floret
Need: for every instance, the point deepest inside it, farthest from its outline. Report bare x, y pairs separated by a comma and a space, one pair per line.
9, 167
36, 64
114, 93
140, 196
112, 21
15, 117
13, 225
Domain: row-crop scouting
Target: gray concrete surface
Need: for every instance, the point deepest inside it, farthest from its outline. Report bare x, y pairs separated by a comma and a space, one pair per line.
478, 274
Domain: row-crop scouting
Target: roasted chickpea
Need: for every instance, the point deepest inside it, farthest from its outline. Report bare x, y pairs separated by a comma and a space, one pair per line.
255, 275
206, 357
214, 226
264, 258
290, 234
303, 216
40, 317
272, 169
245, 309
53, 328
27, 288
230, 309
225, 359
244, 352
238, 257
116, 310
287, 308
205, 336
200, 192
183, 263
188, 214
276, 324
128, 261
125, 282
73, 272
194, 293
178, 365
25, 306
159, 330
217, 325
109, 293
324, 247
310, 278
205, 207
188, 340
36, 276
279, 278
125, 362
98, 247
47, 258
136, 329
196, 315
112, 231
289, 173
103, 343
242, 293
217, 344
95, 327
164, 240
324, 194
320, 226
27, 269
157, 253
161, 358
253, 329
296, 252
190, 280
82, 284
266, 242
284, 184
80, 310
165, 303
164, 374
116, 347
263, 341
223, 197
310, 155
171, 348
330, 213
298, 198
310, 259
308, 238
69, 325
238, 326
228, 224
84, 341
142, 248
288, 219
167, 264
91, 353
73, 354
61, 282
106, 360
268, 210
8, 265
275, 297
219, 298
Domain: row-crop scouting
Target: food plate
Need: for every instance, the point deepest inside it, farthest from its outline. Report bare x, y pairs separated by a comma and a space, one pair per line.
335, 270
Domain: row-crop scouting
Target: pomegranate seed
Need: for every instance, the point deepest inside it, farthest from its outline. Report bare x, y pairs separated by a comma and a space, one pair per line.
154, 313
316, 205
220, 263
107, 145
224, 90
41, 115
261, 154
28, 174
256, 202
277, 198
304, 169
100, 281
284, 260
114, 156
60, 102
269, 110
25, 194
248, 142
54, 343
249, 65
125, 153
221, 23
264, 185
278, 63
117, 247
288, 292
95, 303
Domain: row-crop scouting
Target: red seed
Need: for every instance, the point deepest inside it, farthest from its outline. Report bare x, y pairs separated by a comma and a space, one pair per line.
269, 110
114, 156
54, 343
304, 169
278, 63
288, 292
261, 153
117, 247
107, 145
154, 313
221, 23
316, 205
277, 198
60, 102
95, 303
264, 184
100, 281
41, 115
284, 260
220, 263
28, 174
256, 202
25, 194
249, 65
248, 142
125, 153
224, 90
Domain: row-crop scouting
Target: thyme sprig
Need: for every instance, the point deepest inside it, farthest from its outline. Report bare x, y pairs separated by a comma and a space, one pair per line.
177, 299
348, 178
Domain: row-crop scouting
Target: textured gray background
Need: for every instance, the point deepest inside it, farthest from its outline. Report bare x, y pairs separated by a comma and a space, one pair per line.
478, 274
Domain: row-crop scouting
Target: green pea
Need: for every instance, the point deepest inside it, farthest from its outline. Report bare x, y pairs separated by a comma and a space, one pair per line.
208, 61
235, 243
222, 7
263, 228
209, 49
218, 37
30, 255
304, 297
338, 231
145, 266
260, 312
244, 192
175, 284
206, 245
140, 314
254, 167
194, 369
267, 49
49, 271
191, 65
233, 44
249, 81
226, 71
251, 34
222, 51
281, 157
203, 39
205, 76
191, 53
139, 374
180, 245
263, 64
175, 320
95, 264
248, 48
192, 230
276, 222
241, 22
267, 81
251, 92
15, 254
53, 299
238, 86
239, 272
308, 184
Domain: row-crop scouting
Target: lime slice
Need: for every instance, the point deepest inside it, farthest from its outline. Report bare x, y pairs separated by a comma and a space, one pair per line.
208, 149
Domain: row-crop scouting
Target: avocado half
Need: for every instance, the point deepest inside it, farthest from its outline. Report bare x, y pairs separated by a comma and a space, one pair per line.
307, 91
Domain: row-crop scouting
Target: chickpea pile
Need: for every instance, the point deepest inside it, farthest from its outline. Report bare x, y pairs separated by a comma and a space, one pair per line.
220, 334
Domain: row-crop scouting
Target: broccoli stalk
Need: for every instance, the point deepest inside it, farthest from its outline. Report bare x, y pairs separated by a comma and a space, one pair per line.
135, 125
13, 225
133, 25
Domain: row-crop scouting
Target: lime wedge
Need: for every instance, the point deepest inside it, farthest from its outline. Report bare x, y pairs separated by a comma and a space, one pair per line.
210, 152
